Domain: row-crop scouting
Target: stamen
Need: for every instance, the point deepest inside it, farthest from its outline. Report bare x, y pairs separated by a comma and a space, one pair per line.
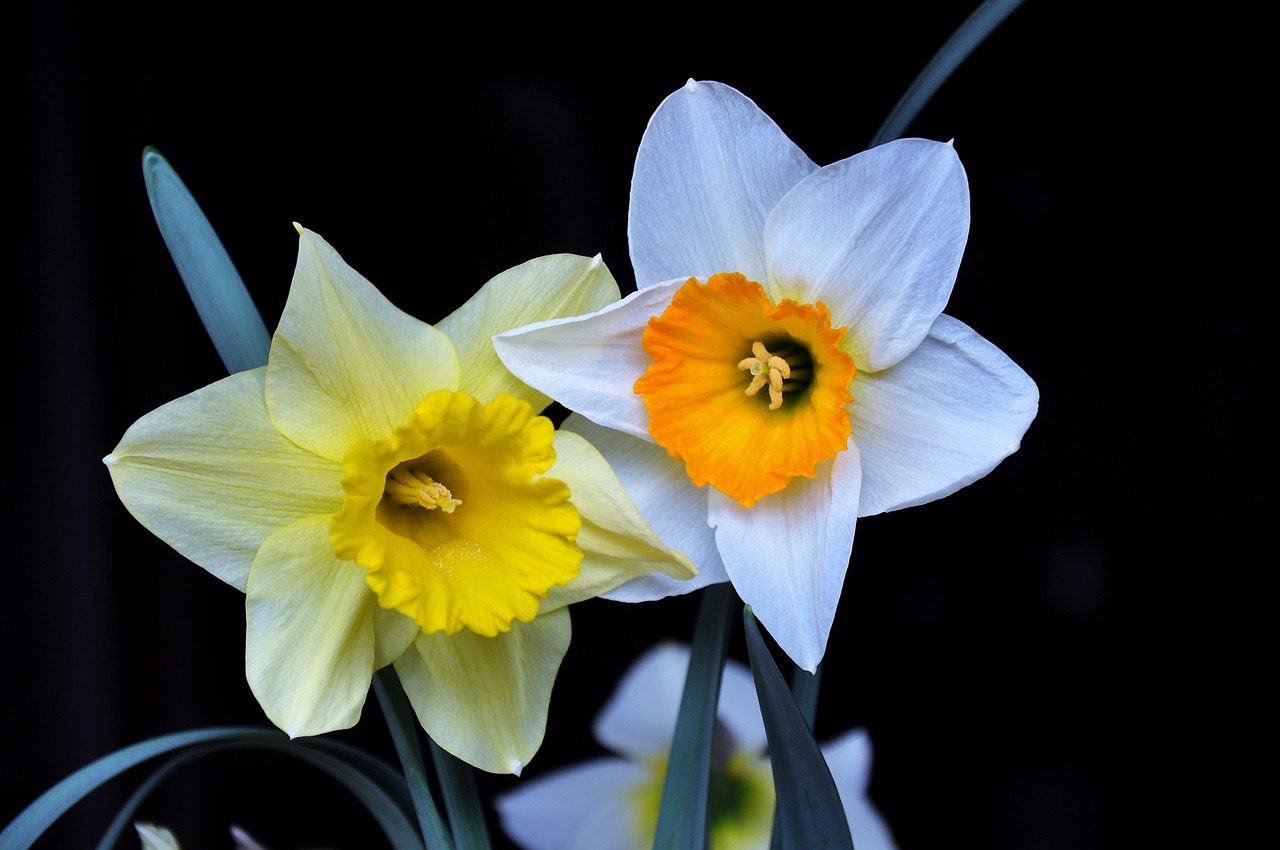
407, 486
766, 368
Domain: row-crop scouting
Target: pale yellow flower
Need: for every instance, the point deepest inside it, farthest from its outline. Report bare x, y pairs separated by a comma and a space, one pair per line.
385, 491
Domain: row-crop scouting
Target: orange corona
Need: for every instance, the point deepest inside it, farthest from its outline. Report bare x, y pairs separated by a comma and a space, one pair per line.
714, 348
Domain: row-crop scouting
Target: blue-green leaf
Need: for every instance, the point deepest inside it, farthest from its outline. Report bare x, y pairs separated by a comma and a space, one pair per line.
33, 821
963, 41
809, 813
220, 298
804, 689
388, 805
682, 817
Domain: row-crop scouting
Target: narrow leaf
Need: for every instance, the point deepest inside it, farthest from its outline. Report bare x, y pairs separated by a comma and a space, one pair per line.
804, 689
32, 822
963, 41
809, 813
382, 803
682, 817
220, 298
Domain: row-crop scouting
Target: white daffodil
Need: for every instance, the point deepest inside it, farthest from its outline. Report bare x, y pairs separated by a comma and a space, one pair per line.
385, 491
612, 803
156, 837
786, 349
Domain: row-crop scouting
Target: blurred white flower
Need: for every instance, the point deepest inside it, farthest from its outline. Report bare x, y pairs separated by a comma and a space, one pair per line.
156, 837
611, 803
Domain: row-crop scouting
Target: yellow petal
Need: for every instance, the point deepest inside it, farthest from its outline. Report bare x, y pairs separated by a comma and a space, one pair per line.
347, 365
704, 392
617, 544
485, 699
309, 649
209, 474
544, 288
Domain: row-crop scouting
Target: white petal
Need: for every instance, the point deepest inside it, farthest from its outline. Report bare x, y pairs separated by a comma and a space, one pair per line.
211, 476
739, 708
543, 288
585, 807
589, 363
849, 758
939, 420
878, 238
670, 504
309, 648
639, 720
867, 826
710, 167
346, 364
787, 556
156, 837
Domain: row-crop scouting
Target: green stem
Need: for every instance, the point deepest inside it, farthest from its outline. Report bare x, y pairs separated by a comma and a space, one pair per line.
404, 733
682, 817
461, 802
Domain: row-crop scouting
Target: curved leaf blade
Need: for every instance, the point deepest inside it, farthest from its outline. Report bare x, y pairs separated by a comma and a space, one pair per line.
31, 823
957, 48
809, 812
215, 287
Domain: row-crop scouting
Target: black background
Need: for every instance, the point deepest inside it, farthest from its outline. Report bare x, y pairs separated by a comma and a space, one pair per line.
1068, 654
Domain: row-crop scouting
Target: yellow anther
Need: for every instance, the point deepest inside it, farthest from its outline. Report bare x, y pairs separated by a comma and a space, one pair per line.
408, 486
766, 368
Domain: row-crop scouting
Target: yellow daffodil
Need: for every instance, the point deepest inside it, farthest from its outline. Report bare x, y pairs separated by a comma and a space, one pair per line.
785, 366
386, 491
613, 801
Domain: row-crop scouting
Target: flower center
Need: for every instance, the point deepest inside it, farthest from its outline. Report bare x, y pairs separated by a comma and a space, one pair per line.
698, 409
740, 792
775, 370
408, 484
482, 566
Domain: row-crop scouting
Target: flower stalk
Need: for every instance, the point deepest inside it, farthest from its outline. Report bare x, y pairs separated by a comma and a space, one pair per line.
682, 818
403, 729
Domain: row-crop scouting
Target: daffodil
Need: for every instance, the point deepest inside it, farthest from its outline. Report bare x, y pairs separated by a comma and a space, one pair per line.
612, 802
383, 490
785, 366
